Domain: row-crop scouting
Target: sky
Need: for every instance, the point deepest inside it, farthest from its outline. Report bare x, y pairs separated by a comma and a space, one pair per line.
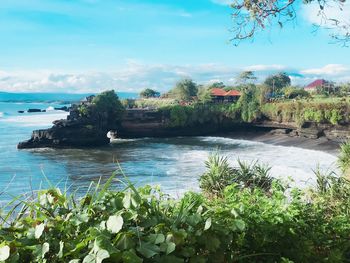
93, 45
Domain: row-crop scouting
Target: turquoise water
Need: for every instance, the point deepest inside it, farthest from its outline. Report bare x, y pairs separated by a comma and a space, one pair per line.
174, 163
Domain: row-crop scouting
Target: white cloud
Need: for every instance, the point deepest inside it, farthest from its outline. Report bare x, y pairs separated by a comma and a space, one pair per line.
266, 68
135, 76
328, 70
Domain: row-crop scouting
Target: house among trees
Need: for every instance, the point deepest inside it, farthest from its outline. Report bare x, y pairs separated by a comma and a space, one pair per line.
320, 85
220, 95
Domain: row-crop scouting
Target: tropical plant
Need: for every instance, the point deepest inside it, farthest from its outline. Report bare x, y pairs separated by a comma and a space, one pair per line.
218, 176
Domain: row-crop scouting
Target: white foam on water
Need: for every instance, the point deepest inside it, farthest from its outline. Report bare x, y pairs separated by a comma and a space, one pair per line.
2, 114
35, 120
50, 108
288, 163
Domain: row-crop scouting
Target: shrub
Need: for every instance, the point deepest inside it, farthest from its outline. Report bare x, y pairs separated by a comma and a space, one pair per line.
145, 225
219, 175
344, 157
292, 93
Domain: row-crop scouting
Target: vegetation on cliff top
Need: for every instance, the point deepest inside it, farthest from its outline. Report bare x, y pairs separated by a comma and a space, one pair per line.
105, 107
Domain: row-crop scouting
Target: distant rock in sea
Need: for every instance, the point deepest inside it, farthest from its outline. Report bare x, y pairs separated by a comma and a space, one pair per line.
33, 110
64, 108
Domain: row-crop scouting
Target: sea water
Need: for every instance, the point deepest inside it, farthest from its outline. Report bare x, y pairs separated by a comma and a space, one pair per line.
173, 163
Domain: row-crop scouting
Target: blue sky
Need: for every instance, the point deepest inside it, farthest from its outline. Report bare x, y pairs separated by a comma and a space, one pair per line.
92, 45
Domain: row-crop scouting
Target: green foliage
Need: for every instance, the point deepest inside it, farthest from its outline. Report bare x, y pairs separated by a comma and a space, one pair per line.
203, 94
178, 116
155, 102
184, 90
313, 111
219, 85
128, 103
108, 103
344, 157
246, 77
149, 93
104, 109
278, 81
249, 103
220, 174
241, 224
292, 93
194, 115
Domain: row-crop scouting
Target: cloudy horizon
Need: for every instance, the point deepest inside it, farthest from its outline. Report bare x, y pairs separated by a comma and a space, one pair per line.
92, 45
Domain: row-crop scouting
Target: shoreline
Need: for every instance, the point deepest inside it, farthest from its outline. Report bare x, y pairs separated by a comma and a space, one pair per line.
274, 138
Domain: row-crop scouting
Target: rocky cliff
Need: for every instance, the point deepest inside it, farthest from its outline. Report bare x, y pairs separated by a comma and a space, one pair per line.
91, 129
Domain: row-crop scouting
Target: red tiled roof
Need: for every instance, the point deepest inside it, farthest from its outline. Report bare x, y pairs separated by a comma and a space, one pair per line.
218, 92
316, 83
233, 93
222, 93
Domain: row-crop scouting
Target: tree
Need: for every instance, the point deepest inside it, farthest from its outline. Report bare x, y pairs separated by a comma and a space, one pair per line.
278, 81
203, 94
219, 85
251, 17
108, 109
184, 90
246, 77
149, 93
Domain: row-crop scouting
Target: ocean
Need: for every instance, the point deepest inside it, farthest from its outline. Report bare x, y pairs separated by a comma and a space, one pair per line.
173, 163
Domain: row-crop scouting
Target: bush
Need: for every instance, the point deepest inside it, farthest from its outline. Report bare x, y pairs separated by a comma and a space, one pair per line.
149, 93
292, 93
344, 157
219, 175
144, 225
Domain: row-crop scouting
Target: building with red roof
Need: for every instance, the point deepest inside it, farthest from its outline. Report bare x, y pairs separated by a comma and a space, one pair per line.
221, 95
318, 84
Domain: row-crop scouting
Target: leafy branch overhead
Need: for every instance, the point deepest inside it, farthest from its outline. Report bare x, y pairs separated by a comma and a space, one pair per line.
250, 17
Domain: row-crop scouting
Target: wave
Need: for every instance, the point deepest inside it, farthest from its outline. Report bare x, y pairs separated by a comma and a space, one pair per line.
50, 108
37, 120
2, 114
230, 141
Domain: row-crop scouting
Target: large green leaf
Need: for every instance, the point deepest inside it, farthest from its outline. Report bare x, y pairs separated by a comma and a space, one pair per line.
148, 250
131, 257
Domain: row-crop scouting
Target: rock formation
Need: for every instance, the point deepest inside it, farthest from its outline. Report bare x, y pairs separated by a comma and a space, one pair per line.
85, 126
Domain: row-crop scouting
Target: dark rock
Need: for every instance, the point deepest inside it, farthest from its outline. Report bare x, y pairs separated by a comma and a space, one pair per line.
34, 110
64, 108
43, 111
20, 111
